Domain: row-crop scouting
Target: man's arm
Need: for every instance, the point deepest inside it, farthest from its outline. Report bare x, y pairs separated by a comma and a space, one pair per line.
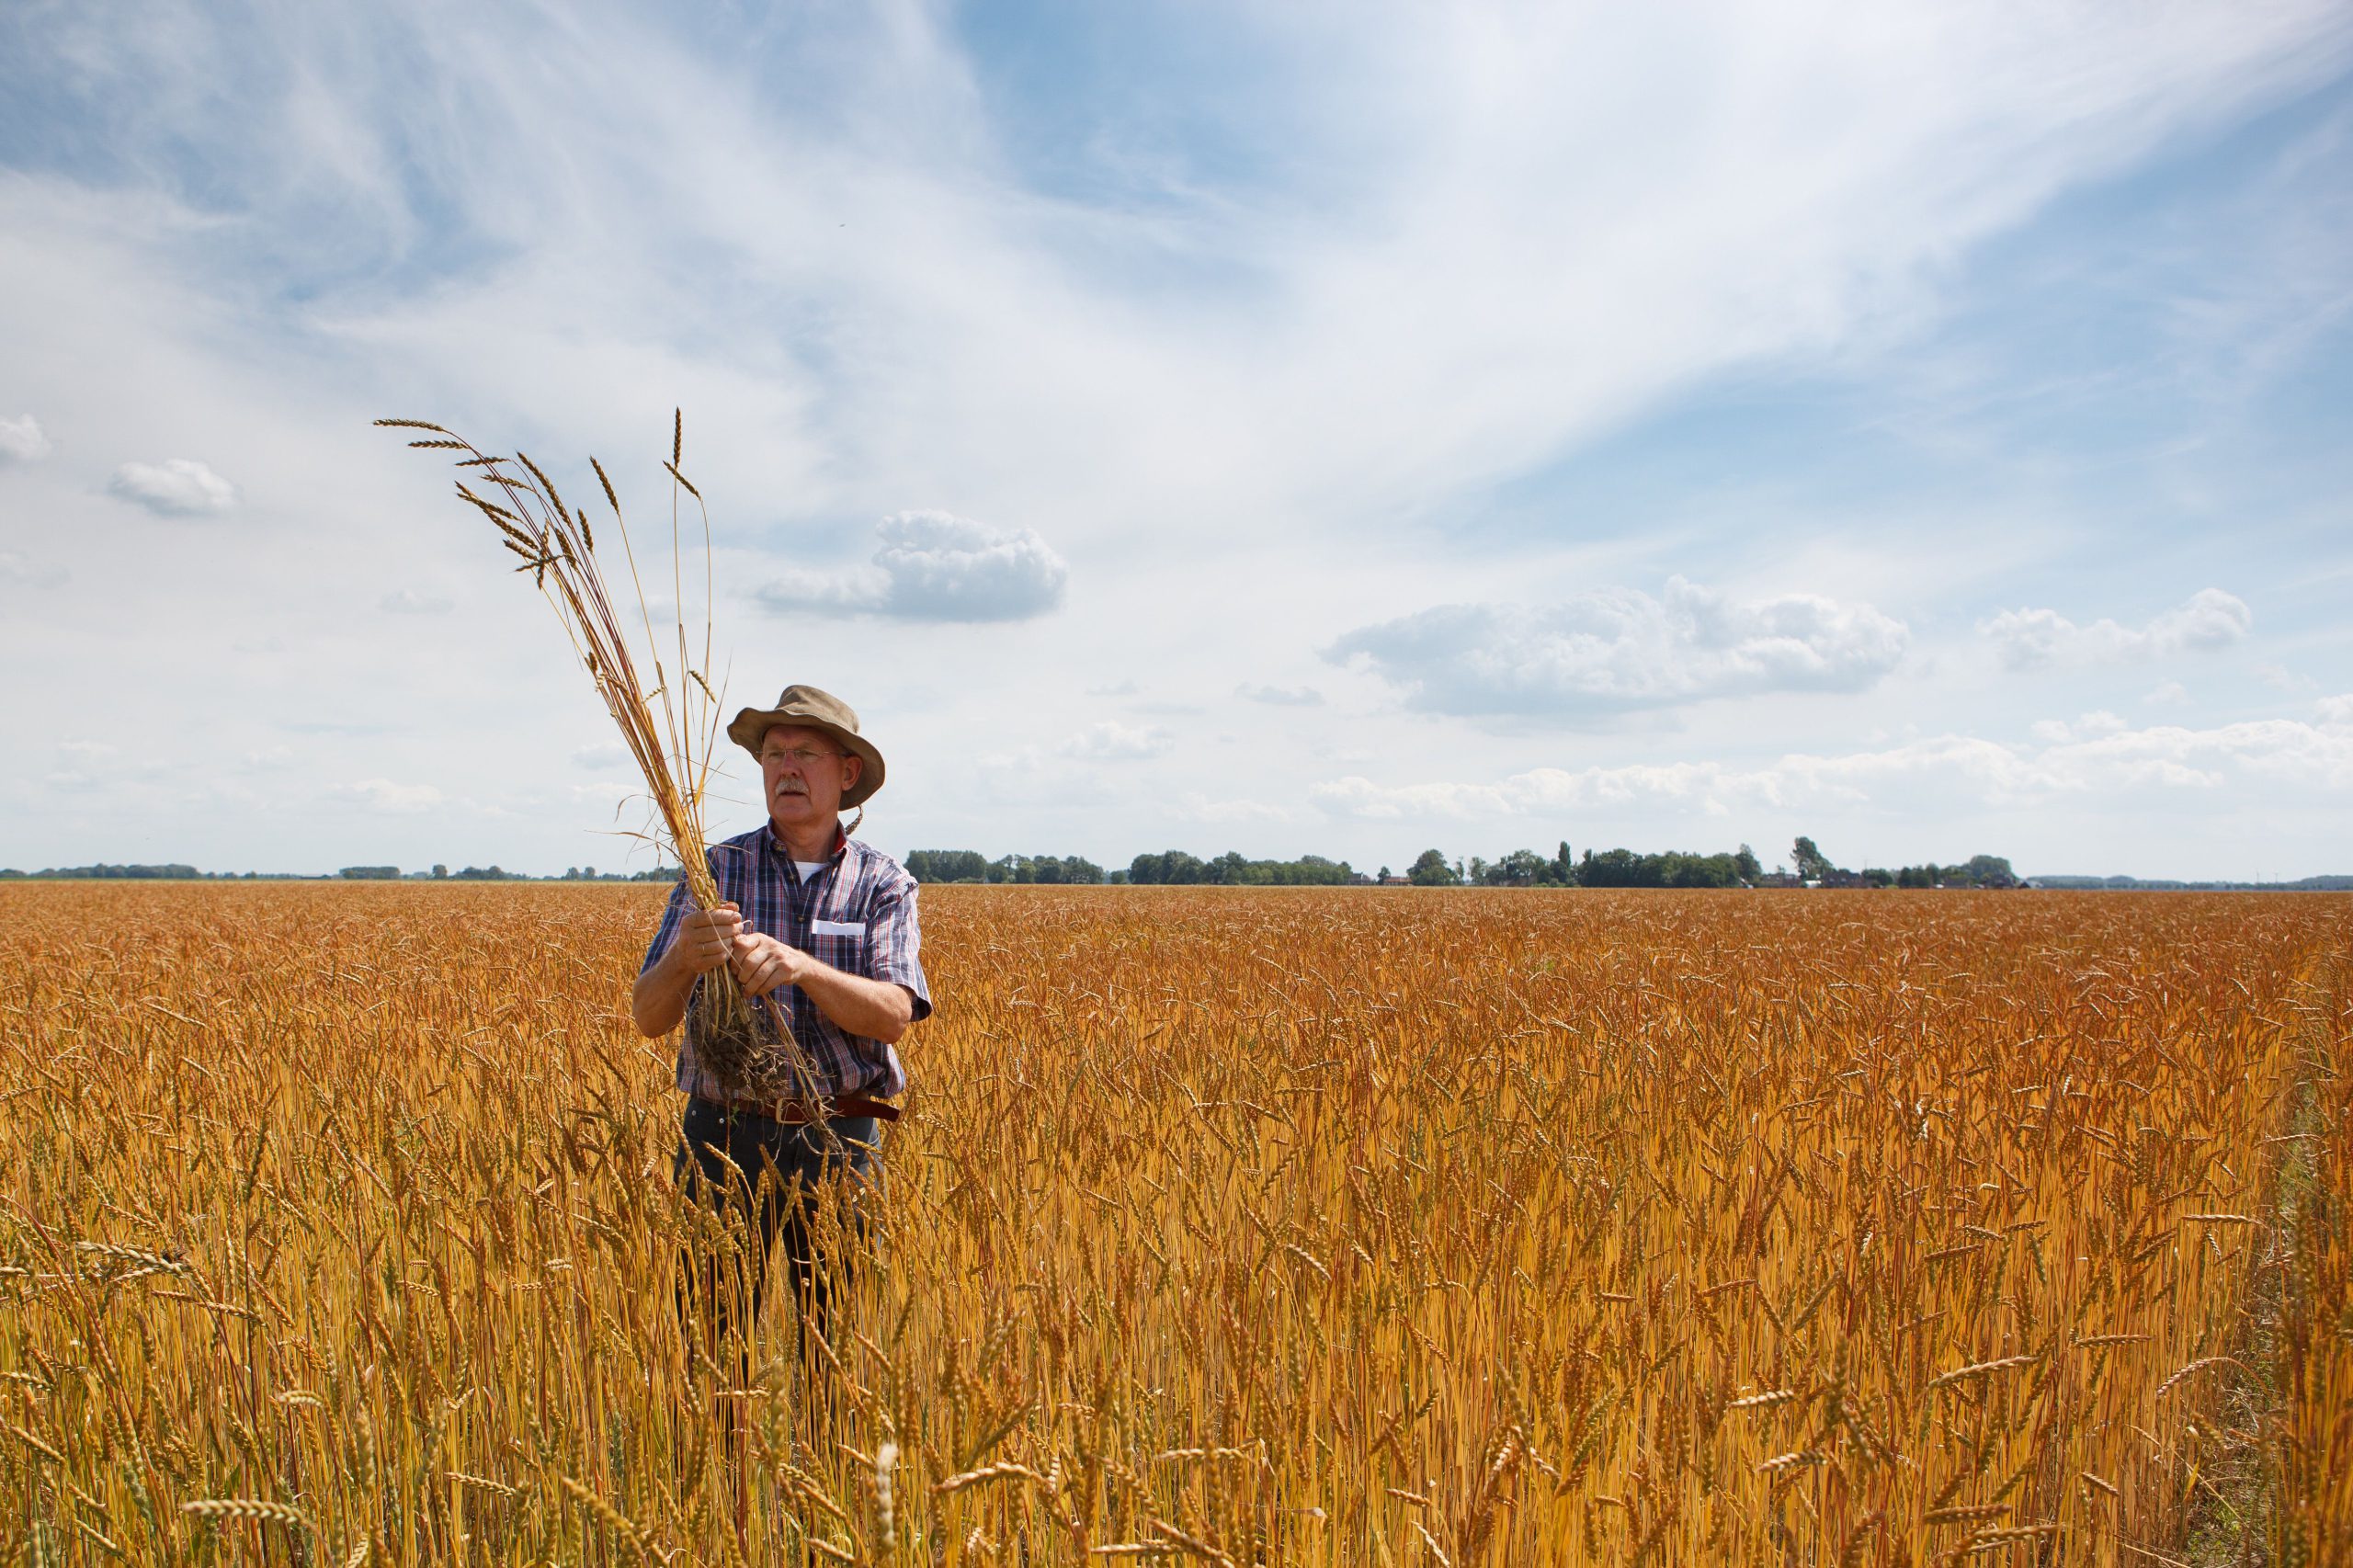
878, 1009
704, 940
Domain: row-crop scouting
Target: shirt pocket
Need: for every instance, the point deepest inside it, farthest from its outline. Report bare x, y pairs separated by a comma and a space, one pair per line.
840, 949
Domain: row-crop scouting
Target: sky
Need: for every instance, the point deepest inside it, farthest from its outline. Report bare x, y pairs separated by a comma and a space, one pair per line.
1310, 428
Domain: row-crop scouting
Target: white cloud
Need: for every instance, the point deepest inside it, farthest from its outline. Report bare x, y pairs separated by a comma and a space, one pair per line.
2040, 639
2167, 694
176, 487
935, 566
412, 601
1282, 696
1195, 807
16, 566
1941, 772
2280, 678
1620, 649
22, 441
390, 798
1110, 741
603, 754
2336, 713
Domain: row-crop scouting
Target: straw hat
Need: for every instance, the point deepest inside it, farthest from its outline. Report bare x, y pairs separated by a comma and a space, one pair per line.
815, 710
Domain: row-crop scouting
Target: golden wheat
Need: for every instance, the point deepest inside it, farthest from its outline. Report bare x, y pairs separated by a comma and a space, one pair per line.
1297, 1227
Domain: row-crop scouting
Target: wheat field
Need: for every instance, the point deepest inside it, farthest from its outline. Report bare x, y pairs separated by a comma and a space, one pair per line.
1322, 1226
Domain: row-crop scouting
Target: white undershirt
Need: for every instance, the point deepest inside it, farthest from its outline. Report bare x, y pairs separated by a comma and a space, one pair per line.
809, 869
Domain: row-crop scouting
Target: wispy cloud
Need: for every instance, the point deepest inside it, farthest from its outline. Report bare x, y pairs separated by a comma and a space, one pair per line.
1280, 695
392, 797
176, 487
2041, 638
2100, 755
1621, 649
414, 601
1198, 808
1112, 741
22, 441
934, 566
16, 566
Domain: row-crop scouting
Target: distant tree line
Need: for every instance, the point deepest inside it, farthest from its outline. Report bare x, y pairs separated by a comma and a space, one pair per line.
2166, 884
969, 866
1977, 872
1173, 868
1432, 868
179, 873
1608, 868
172, 873
1521, 869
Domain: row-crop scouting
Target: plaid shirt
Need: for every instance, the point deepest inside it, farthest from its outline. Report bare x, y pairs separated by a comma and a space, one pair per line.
857, 915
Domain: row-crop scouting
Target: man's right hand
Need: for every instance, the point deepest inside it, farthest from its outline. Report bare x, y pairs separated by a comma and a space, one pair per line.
706, 938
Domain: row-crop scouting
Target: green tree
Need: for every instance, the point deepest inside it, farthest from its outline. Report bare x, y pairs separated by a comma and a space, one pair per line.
1991, 872
1430, 871
1521, 869
1813, 864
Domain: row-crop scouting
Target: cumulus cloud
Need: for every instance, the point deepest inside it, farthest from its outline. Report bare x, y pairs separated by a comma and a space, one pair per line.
934, 566
2093, 758
16, 566
2040, 639
1282, 696
605, 754
1111, 741
176, 487
391, 798
22, 441
410, 601
1619, 649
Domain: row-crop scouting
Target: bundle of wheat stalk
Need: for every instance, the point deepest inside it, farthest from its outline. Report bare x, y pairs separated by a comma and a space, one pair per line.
671, 735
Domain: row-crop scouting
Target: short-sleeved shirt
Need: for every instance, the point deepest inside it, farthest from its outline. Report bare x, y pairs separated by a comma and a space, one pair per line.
858, 915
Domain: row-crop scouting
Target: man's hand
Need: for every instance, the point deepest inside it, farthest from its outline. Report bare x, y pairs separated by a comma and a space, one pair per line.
879, 1009
706, 938
763, 964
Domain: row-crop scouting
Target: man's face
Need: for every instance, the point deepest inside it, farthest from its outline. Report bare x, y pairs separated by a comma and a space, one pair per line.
804, 773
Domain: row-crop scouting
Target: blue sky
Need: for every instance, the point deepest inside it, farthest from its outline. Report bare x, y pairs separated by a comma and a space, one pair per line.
1305, 428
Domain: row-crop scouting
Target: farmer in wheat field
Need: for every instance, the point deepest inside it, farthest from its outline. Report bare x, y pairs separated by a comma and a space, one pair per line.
821, 932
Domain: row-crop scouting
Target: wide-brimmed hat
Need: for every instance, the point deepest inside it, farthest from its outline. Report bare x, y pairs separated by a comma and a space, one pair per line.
815, 710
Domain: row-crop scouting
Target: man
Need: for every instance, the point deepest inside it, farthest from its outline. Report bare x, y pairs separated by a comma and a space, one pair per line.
822, 935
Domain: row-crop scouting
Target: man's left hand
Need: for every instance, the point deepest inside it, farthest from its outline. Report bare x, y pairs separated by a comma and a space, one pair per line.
763, 964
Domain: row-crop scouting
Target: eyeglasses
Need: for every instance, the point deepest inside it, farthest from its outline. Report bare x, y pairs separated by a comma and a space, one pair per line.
799, 756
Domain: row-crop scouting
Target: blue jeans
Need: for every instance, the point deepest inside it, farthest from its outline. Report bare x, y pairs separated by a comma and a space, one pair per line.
789, 1166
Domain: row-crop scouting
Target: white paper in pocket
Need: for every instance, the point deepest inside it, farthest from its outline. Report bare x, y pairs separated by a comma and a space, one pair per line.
837, 927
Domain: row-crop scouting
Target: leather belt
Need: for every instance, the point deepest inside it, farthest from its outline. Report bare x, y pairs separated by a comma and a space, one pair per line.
798, 1112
